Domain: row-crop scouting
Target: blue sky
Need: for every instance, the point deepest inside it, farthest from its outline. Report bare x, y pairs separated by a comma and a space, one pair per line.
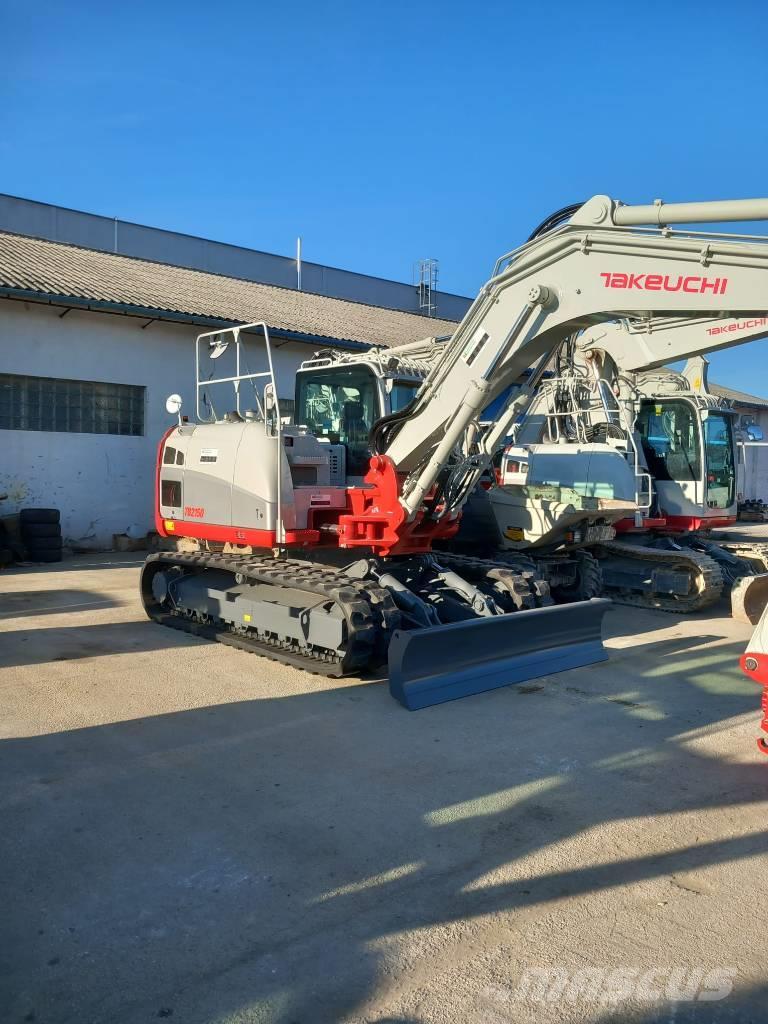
384, 132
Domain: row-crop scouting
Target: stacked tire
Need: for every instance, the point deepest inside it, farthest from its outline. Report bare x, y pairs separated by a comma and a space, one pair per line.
41, 533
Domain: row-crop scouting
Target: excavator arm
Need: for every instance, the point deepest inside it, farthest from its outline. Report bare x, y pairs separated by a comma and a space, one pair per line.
636, 345
598, 268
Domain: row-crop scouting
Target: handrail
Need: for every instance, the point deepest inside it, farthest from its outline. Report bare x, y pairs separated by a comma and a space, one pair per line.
271, 400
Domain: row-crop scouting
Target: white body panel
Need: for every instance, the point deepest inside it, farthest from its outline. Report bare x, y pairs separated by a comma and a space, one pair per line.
568, 487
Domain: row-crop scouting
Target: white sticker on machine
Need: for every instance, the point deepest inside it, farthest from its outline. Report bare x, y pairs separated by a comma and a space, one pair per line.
319, 499
209, 454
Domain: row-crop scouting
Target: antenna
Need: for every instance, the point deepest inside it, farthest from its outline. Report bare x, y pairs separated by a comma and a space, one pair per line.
425, 274
298, 263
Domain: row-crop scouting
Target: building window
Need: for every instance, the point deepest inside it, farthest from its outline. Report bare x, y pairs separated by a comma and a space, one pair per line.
71, 406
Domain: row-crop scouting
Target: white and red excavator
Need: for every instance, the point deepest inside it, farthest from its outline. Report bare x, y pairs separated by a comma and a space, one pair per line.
315, 541
611, 395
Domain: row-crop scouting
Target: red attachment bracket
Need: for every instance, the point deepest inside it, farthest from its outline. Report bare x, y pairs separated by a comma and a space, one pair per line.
377, 520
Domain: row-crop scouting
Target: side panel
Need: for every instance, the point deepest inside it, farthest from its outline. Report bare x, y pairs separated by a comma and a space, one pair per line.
208, 472
224, 476
254, 485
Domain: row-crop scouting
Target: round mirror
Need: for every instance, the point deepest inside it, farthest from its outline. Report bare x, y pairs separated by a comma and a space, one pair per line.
173, 404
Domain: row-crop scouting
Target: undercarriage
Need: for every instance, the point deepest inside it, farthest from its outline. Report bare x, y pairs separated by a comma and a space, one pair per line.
686, 573
445, 625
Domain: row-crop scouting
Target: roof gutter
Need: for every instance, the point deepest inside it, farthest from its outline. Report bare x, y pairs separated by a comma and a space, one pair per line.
148, 312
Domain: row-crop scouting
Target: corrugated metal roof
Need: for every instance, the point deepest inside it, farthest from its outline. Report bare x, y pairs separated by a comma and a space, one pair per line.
67, 271
738, 397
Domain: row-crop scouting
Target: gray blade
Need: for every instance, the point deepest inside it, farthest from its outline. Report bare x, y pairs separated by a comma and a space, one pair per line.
440, 663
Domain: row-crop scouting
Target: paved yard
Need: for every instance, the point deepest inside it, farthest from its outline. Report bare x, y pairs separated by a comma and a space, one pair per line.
192, 833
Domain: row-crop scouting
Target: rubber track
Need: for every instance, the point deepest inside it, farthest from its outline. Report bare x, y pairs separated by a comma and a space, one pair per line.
525, 588
369, 610
709, 578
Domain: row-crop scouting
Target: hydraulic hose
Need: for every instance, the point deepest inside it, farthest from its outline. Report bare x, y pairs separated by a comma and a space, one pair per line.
552, 221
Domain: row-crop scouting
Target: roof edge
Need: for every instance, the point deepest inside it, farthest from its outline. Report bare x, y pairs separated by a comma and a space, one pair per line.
228, 277
168, 316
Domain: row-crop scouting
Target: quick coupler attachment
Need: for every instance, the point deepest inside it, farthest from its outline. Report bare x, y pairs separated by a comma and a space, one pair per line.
441, 663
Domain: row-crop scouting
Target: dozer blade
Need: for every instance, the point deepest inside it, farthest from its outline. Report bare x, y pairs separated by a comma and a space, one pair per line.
439, 663
749, 598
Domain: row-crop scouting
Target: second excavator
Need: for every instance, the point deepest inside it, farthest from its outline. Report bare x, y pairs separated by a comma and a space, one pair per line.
611, 385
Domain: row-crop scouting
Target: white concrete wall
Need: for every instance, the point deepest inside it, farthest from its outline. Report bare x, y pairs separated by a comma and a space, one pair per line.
102, 483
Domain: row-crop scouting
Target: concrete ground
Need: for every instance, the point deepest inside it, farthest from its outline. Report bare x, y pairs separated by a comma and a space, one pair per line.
194, 833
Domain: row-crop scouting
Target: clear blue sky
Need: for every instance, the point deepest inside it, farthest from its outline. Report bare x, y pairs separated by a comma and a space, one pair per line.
384, 132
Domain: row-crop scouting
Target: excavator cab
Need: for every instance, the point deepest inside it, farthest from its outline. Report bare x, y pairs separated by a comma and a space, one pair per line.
689, 450
340, 402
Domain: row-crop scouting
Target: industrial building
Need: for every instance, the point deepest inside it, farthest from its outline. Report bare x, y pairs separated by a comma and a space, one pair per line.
97, 324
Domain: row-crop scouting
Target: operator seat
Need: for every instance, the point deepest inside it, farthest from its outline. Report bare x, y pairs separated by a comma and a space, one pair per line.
353, 424
355, 429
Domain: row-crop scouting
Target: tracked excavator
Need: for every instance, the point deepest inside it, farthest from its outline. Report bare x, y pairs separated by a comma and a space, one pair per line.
314, 542
679, 438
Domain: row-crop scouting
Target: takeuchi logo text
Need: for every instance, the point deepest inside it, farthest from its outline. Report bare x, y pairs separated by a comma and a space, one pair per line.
739, 325
667, 283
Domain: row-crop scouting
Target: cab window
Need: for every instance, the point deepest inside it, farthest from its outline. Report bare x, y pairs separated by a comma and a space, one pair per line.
718, 446
669, 431
403, 392
340, 403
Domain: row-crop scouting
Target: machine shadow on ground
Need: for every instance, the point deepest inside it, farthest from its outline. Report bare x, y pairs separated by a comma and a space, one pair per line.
262, 856
18, 603
72, 643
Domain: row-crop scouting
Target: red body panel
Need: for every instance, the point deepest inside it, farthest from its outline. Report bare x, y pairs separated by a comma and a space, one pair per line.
674, 524
158, 466
686, 524
628, 525
235, 535
760, 675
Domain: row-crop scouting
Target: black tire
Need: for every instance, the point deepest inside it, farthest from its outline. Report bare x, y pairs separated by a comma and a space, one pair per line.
39, 515
45, 556
44, 544
589, 581
31, 531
